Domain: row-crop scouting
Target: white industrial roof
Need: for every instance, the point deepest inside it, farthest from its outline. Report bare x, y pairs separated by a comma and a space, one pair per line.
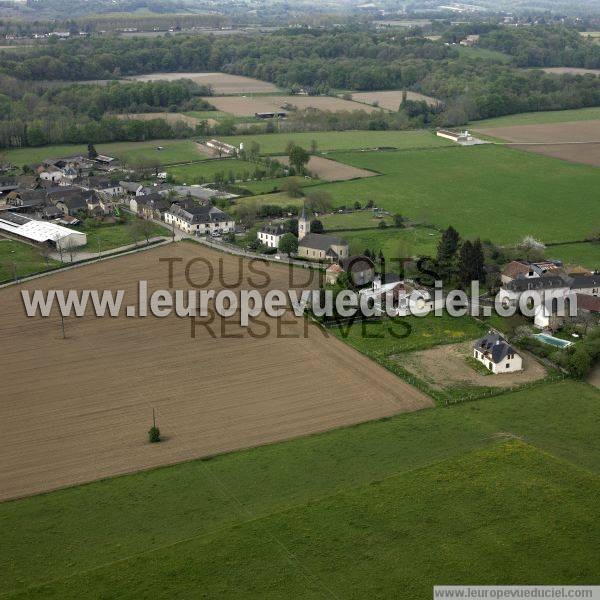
38, 231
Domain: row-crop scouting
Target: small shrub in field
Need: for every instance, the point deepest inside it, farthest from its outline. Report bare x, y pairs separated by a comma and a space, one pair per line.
154, 435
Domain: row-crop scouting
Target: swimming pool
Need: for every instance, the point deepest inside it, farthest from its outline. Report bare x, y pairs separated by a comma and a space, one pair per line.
552, 341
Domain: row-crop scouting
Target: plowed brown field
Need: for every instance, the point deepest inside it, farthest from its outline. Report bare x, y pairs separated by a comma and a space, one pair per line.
78, 409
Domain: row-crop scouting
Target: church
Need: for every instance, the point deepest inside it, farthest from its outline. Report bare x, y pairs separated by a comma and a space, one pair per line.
318, 246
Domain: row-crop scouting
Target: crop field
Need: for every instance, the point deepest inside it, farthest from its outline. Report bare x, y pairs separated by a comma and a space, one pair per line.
202, 172
243, 106
539, 118
221, 83
330, 170
578, 141
275, 143
21, 258
324, 506
174, 151
475, 189
390, 100
113, 372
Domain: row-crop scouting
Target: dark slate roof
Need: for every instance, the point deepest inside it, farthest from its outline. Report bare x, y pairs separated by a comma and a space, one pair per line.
494, 347
199, 214
538, 283
272, 229
585, 281
319, 241
357, 263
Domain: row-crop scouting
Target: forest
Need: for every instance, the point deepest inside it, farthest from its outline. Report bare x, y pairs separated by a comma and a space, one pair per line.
469, 86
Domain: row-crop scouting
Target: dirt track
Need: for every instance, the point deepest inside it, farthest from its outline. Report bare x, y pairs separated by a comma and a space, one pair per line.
78, 409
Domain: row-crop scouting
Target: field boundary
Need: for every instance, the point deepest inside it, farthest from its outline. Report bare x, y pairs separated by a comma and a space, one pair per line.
84, 262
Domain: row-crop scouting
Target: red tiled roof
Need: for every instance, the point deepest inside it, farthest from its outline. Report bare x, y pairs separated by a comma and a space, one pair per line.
588, 302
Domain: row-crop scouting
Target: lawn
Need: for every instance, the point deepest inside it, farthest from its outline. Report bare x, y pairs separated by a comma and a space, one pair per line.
351, 220
108, 237
586, 254
275, 143
490, 192
204, 172
26, 258
278, 199
380, 340
384, 509
174, 151
540, 118
267, 186
395, 243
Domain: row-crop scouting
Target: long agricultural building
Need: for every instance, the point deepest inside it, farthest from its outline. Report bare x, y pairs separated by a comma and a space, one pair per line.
41, 232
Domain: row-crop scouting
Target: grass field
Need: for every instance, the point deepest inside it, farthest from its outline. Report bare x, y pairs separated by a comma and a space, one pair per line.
384, 509
266, 186
107, 237
27, 259
483, 54
203, 172
587, 254
540, 118
490, 192
276, 199
349, 220
380, 340
275, 143
174, 151
395, 243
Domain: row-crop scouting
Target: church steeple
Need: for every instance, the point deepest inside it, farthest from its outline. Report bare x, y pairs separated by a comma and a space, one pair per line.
303, 224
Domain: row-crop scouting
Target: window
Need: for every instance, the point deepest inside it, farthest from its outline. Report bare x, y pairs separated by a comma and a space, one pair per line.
508, 365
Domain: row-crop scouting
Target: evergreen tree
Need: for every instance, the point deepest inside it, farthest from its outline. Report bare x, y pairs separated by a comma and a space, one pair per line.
446, 252
92, 154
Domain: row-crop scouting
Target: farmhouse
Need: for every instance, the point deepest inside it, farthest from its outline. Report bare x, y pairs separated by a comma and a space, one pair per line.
199, 220
41, 232
103, 185
497, 355
132, 188
518, 269
107, 162
269, 235
153, 206
317, 246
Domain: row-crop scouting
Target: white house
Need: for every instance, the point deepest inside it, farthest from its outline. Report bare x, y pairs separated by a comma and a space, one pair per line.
497, 355
199, 220
397, 297
270, 235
